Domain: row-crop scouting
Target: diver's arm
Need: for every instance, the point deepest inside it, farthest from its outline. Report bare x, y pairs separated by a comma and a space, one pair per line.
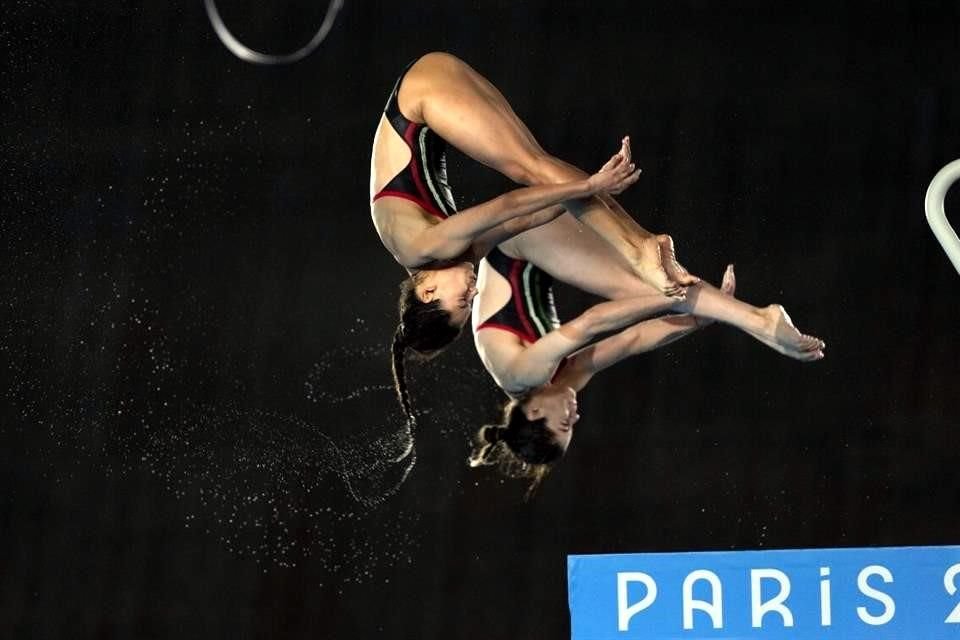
643, 336
514, 227
536, 365
512, 213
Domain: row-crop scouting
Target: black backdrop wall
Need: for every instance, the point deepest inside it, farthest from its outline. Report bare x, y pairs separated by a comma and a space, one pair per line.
196, 312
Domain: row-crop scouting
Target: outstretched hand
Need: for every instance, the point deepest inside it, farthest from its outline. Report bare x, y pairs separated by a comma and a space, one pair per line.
618, 174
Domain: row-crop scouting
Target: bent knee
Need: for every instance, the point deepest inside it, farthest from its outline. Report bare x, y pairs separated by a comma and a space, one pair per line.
441, 58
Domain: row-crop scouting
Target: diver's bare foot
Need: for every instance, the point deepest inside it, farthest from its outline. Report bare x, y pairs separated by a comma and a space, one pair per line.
674, 269
780, 334
649, 265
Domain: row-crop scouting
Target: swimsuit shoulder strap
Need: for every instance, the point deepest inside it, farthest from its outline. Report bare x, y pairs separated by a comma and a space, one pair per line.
392, 109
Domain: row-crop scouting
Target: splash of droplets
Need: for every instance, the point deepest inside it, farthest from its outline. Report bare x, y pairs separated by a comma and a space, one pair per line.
318, 385
277, 489
383, 455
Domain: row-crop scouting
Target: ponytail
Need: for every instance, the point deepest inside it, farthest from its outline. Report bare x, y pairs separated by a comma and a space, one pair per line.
424, 329
398, 350
487, 439
521, 448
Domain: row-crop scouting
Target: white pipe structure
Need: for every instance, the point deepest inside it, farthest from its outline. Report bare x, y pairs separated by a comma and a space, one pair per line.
937, 217
247, 54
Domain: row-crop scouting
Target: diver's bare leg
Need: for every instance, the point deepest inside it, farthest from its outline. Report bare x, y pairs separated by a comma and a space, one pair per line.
573, 253
770, 325
470, 113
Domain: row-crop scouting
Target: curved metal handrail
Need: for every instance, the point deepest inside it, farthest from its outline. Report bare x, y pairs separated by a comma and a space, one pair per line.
937, 217
249, 55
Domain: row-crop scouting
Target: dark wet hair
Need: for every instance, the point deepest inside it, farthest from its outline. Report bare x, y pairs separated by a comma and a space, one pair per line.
522, 448
425, 329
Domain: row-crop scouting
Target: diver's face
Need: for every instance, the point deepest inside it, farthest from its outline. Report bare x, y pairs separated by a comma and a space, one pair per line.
454, 287
558, 405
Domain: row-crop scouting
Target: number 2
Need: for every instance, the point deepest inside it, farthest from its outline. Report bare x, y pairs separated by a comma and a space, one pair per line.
949, 584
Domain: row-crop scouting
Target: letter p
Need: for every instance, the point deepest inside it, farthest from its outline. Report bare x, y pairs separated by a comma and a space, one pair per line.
624, 611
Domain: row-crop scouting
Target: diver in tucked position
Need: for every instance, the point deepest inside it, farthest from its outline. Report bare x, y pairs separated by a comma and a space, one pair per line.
541, 364
438, 100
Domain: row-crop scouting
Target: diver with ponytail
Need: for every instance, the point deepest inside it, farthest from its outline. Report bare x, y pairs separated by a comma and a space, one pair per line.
416, 218
542, 370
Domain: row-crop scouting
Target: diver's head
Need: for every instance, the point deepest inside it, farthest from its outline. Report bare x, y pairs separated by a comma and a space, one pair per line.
434, 306
453, 288
556, 407
535, 433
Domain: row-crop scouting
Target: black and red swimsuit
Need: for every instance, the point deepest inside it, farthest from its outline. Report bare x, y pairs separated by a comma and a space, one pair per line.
530, 313
424, 180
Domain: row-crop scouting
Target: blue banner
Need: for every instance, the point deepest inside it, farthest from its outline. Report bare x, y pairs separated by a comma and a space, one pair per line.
901, 593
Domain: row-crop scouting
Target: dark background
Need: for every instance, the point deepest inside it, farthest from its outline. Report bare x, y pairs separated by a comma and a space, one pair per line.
196, 311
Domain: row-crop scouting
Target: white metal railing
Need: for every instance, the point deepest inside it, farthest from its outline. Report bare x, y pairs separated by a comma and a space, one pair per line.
937, 217
247, 54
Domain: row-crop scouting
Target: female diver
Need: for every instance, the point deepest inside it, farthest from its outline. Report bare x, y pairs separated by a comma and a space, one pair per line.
541, 364
411, 202
440, 99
